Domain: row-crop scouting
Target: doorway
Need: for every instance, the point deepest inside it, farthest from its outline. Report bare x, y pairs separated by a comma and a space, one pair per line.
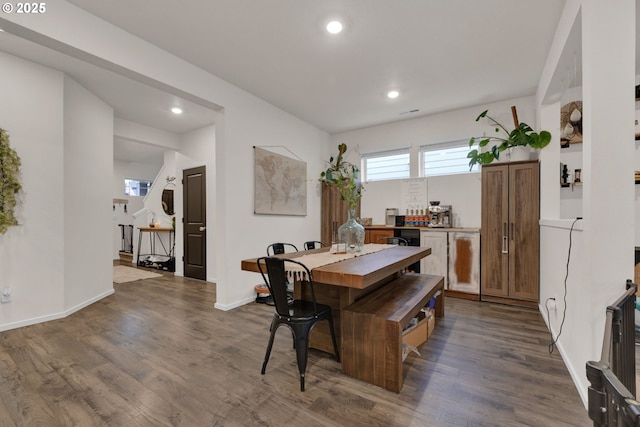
195, 222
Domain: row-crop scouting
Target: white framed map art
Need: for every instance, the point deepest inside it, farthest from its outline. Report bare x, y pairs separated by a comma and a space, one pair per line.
280, 184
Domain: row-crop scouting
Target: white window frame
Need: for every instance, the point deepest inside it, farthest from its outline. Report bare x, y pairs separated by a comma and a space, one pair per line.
137, 185
384, 154
462, 165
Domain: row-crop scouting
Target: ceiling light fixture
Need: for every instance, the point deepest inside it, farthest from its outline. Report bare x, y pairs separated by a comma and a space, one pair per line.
176, 110
393, 94
334, 27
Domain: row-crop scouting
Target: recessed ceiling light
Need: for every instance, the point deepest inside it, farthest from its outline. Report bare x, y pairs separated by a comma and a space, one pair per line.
393, 94
176, 110
334, 27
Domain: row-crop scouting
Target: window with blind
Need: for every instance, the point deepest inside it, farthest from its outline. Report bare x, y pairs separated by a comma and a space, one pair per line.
386, 165
445, 159
136, 187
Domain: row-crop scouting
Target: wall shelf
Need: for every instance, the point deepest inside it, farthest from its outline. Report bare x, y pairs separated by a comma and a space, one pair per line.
567, 142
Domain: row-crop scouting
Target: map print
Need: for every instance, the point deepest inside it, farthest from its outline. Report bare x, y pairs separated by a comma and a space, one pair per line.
280, 184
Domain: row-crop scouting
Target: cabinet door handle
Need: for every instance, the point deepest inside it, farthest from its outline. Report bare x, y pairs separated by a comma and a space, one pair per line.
202, 228
505, 239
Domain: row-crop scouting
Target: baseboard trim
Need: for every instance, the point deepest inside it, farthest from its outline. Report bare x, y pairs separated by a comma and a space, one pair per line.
227, 307
461, 295
509, 301
54, 316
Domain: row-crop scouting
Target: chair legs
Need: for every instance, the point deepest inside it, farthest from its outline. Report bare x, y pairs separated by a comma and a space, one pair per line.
301, 332
273, 328
301, 337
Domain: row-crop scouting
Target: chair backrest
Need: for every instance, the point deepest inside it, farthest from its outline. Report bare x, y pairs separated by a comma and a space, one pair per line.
394, 241
313, 244
280, 248
273, 270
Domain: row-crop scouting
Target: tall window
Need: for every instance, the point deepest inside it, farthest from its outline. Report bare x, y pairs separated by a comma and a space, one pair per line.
385, 165
445, 159
136, 187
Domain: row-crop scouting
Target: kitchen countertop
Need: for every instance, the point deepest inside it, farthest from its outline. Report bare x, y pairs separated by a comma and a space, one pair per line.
391, 227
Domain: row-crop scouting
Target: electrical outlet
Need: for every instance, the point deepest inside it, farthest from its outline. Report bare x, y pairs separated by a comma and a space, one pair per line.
5, 297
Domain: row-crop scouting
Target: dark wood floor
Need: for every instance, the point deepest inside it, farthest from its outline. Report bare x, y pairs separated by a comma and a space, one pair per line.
156, 353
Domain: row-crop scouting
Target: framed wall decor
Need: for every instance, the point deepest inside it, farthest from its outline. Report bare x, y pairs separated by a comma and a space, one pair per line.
280, 184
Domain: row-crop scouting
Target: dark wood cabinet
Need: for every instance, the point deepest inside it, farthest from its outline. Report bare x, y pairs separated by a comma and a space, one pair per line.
373, 234
334, 213
510, 241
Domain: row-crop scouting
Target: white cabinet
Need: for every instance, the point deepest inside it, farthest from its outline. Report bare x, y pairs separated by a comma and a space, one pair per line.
464, 262
436, 263
455, 255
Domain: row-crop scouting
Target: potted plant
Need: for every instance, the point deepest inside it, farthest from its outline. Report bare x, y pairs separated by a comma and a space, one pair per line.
522, 136
344, 177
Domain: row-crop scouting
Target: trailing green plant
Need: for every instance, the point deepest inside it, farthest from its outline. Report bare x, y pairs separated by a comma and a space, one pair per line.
344, 177
9, 182
523, 135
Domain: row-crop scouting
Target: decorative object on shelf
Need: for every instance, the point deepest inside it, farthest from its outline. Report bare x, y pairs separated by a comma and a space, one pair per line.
367, 221
344, 177
577, 175
9, 182
522, 137
571, 124
564, 175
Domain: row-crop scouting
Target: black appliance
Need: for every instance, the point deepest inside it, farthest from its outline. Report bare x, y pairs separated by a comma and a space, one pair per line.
412, 236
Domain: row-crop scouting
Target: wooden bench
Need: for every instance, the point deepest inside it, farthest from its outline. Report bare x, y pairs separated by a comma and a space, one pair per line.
372, 328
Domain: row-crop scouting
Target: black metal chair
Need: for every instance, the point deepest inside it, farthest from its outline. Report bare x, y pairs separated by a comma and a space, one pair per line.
300, 315
280, 248
313, 244
393, 241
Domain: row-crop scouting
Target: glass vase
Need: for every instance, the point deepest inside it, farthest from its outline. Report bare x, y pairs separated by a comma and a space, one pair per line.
351, 233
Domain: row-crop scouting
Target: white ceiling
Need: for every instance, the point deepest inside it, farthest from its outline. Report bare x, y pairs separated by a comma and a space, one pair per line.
440, 55
131, 100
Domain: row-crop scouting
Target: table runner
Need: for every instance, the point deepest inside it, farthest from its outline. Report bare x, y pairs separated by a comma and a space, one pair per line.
295, 272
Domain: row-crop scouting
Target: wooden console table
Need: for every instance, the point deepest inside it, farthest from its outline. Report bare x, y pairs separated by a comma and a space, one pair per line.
153, 259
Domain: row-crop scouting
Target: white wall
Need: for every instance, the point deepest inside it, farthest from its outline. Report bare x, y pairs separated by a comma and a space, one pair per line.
555, 237
460, 191
131, 170
137, 132
602, 256
126, 130
122, 170
30, 91
63, 229
88, 159
244, 122
119, 216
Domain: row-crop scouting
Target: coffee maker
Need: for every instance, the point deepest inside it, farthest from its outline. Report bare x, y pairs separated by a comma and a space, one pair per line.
390, 216
441, 216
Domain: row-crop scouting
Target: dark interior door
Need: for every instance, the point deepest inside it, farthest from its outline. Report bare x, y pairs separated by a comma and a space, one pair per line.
195, 223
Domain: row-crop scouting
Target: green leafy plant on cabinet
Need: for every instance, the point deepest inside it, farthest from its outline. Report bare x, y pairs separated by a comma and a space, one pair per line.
521, 136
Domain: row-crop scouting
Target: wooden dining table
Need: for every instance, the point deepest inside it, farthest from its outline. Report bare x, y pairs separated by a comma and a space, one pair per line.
341, 283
